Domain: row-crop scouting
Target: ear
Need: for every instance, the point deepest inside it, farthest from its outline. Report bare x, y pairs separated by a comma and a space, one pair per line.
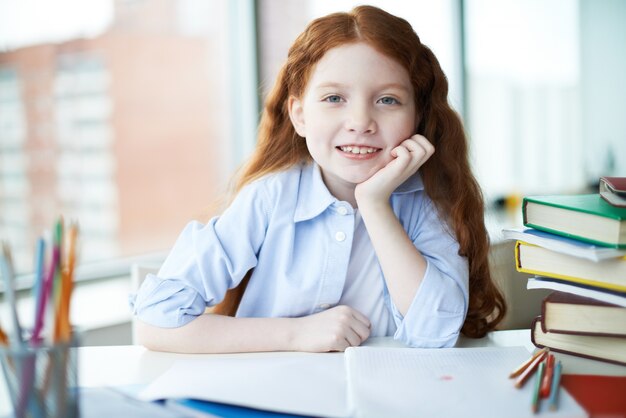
296, 114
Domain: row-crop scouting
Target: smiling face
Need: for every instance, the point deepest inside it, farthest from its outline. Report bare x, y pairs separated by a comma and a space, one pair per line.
358, 105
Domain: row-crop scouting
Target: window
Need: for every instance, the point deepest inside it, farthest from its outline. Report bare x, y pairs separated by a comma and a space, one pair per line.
544, 88
14, 183
123, 122
133, 124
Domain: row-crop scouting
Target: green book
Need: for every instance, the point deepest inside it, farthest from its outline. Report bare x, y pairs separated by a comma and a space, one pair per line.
585, 217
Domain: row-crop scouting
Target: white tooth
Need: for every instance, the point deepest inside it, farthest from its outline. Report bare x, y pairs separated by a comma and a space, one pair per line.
370, 150
363, 150
356, 150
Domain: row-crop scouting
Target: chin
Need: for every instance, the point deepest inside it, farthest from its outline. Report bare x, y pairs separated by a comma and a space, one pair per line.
357, 178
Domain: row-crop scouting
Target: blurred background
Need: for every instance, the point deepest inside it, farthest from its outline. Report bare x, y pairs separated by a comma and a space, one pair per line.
131, 116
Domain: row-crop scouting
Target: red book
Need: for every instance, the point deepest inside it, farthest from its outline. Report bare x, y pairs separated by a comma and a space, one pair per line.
613, 190
600, 396
567, 313
608, 349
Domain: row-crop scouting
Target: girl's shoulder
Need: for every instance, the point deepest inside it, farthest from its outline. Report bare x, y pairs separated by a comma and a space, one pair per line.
278, 183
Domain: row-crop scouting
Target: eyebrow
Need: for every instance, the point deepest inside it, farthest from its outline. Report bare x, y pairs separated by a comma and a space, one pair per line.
381, 87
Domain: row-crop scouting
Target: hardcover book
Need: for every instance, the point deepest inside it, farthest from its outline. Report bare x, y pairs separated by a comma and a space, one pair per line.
610, 274
601, 396
585, 217
562, 244
613, 190
608, 349
571, 314
598, 293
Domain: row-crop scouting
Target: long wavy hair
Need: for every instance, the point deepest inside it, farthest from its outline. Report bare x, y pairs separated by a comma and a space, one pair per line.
447, 176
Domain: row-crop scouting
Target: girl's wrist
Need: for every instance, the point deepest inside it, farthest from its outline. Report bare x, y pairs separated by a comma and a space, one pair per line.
372, 205
291, 334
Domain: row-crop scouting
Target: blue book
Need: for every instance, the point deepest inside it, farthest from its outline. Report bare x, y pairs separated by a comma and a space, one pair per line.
105, 402
205, 409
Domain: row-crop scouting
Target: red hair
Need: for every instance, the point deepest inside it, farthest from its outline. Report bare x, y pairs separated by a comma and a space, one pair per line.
447, 176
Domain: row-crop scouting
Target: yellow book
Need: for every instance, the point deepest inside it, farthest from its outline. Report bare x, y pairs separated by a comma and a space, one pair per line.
607, 274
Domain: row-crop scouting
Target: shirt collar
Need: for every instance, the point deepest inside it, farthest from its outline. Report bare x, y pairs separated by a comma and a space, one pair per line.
314, 197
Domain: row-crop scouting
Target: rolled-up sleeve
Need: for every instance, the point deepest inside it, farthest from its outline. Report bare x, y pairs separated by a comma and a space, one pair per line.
436, 315
204, 263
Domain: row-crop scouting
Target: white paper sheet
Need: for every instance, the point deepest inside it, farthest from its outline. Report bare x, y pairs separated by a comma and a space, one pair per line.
454, 382
365, 382
297, 383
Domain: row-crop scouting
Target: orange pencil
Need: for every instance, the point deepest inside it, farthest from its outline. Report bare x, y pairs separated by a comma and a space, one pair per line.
62, 329
556, 381
4, 340
66, 328
525, 364
547, 377
529, 370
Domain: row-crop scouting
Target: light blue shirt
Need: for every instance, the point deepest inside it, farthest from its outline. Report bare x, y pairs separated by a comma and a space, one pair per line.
298, 238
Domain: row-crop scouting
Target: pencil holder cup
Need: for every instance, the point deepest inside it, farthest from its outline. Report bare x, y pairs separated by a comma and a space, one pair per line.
42, 381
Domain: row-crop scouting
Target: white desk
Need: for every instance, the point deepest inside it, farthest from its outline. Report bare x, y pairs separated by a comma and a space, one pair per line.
129, 365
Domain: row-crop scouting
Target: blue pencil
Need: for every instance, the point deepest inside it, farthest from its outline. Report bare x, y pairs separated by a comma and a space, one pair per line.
556, 380
38, 281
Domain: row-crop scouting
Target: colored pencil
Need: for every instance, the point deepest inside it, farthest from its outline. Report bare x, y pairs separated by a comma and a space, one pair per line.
40, 261
62, 331
522, 378
525, 364
4, 340
47, 285
537, 388
547, 377
556, 385
6, 265
52, 288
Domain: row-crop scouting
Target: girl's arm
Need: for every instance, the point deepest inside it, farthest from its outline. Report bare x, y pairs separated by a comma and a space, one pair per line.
331, 330
402, 264
205, 262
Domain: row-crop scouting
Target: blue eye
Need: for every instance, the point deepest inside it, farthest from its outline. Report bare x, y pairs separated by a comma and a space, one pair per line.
333, 99
388, 101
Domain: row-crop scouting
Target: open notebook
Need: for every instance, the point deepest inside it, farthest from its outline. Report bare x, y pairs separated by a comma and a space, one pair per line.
363, 382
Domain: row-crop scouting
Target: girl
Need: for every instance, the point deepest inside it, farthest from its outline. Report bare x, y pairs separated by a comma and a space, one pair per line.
334, 235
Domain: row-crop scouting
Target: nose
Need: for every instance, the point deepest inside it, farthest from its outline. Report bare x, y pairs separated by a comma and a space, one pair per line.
360, 119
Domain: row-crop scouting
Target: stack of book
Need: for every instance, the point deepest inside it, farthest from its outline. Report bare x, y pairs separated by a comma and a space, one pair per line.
575, 245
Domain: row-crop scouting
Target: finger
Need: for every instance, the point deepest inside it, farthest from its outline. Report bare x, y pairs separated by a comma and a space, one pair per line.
420, 147
416, 151
361, 318
340, 345
361, 330
353, 338
400, 152
422, 151
424, 143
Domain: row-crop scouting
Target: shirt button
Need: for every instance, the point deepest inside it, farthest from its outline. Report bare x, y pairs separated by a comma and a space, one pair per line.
324, 306
342, 210
340, 236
